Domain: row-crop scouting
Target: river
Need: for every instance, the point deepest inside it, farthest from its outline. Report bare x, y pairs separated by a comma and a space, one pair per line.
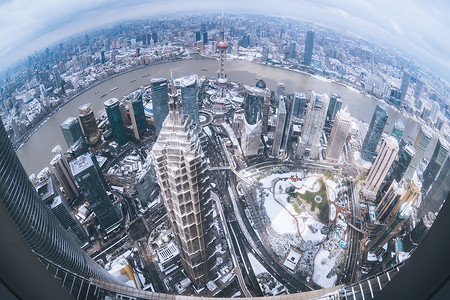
36, 154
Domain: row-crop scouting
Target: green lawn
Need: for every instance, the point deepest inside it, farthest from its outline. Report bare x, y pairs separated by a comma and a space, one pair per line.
309, 196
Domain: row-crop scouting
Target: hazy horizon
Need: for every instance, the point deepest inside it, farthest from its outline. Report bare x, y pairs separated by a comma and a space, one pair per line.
415, 28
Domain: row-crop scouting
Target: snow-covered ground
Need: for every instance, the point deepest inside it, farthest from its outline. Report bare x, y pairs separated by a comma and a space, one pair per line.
322, 266
282, 215
269, 285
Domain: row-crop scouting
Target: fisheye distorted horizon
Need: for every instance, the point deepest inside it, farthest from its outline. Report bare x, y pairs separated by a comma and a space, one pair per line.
416, 28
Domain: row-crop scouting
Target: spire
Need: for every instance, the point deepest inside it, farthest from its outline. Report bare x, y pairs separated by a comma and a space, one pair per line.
175, 112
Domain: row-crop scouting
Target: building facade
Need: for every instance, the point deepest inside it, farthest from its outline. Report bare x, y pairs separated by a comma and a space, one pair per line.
373, 136
312, 128
280, 128
338, 135
253, 114
89, 124
180, 167
71, 130
37, 225
137, 116
437, 160
420, 145
160, 100
380, 167
309, 45
93, 189
115, 121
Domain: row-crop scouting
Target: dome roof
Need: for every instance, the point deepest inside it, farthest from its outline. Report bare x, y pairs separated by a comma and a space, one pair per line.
261, 84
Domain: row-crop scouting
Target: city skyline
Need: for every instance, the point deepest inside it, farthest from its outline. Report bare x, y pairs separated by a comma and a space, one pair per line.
196, 185
393, 25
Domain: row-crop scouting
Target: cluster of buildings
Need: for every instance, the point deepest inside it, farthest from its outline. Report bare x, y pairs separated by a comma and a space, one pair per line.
397, 189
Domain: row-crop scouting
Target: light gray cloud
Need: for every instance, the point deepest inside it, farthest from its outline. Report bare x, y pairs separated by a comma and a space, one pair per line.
417, 28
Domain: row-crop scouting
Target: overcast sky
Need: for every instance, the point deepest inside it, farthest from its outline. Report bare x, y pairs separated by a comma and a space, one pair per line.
418, 28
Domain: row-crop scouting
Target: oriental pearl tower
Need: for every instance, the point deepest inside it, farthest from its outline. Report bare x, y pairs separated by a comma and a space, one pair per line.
222, 80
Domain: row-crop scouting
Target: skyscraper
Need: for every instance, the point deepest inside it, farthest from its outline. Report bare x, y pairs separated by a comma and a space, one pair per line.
115, 121
391, 229
181, 167
189, 94
266, 105
338, 135
37, 225
299, 103
88, 123
404, 158
381, 166
71, 130
436, 162
376, 127
418, 89
253, 113
397, 130
62, 172
334, 106
160, 100
415, 237
281, 88
292, 53
439, 190
60, 209
404, 85
312, 128
420, 145
279, 130
93, 190
309, 45
395, 197
137, 115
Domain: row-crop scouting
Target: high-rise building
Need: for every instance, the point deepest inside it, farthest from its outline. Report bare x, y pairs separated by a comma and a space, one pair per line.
137, 115
115, 121
338, 135
37, 225
265, 54
299, 104
380, 167
160, 100
181, 170
434, 111
189, 95
376, 127
205, 38
93, 190
281, 88
61, 210
266, 106
312, 128
418, 89
61, 170
279, 130
404, 158
439, 190
397, 130
404, 85
395, 197
420, 145
334, 106
253, 113
89, 124
292, 53
309, 45
415, 237
71, 130
391, 229
436, 162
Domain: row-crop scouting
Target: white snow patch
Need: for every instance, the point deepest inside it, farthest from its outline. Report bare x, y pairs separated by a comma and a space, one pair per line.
322, 266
